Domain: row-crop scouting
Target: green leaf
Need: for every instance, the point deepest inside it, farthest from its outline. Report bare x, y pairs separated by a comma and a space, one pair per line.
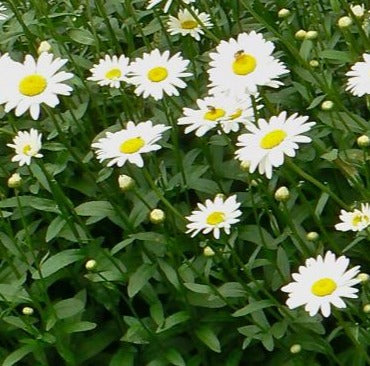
124, 357
54, 228
95, 208
282, 262
78, 327
17, 355
198, 288
41, 204
57, 262
68, 307
169, 272
174, 357
252, 307
139, 278
82, 36
174, 319
209, 338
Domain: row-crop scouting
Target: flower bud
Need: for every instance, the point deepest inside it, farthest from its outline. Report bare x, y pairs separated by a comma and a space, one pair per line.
15, 181
327, 105
44, 47
314, 63
366, 308
344, 22
27, 310
221, 195
157, 216
363, 141
312, 236
208, 251
125, 182
363, 277
91, 264
254, 183
301, 34
296, 348
358, 10
311, 35
283, 13
282, 194
244, 165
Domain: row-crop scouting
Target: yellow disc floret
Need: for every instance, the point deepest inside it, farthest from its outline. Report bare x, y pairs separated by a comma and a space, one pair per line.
244, 63
189, 24
157, 74
215, 218
323, 287
132, 146
32, 85
214, 114
27, 149
113, 74
273, 139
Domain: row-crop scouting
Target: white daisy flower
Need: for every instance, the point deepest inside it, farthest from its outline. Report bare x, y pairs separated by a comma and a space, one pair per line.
28, 85
358, 10
214, 216
267, 144
322, 282
242, 64
26, 145
153, 3
356, 220
110, 71
186, 24
218, 111
2, 9
128, 144
359, 81
157, 74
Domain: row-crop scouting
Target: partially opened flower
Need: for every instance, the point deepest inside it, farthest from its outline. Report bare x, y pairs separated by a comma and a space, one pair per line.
153, 3
110, 71
28, 85
355, 220
27, 146
322, 282
359, 77
185, 23
268, 142
240, 65
214, 216
129, 144
222, 112
157, 74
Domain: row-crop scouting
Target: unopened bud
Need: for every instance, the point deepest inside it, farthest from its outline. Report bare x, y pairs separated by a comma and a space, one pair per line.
314, 63
283, 13
363, 141
312, 236
366, 308
254, 183
220, 195
14, 181
125, 182
282, 194
344, 22
296, 348
363, 277
27, 310
244, 165
358, 10
208, 252
157, 216
311, 35
44, 47
301, 34
327, 105
91, 264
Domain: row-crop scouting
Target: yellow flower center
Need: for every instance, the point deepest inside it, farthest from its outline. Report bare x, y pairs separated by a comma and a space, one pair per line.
189, 24
244, 64
236, 114
273, 139
32, 85
323, 287
113, 74
214, 114
157, 74
215, 218
27, 149
357, 219
132, 146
